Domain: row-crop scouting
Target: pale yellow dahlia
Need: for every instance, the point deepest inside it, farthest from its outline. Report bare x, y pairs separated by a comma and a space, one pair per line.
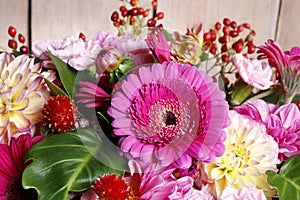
22, 95
250, 151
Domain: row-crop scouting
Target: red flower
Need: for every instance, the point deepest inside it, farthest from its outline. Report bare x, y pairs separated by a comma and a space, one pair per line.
111, 187
59, 114
12, 167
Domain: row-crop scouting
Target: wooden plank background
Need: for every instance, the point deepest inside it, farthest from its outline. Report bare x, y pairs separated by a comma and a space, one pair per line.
55, 19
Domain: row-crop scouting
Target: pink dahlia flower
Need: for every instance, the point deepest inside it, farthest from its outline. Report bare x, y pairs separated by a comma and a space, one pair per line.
91, 95
77, 53
156, 185
22, 96
246, 193
254, 72
12, 166
282, 123
170, 113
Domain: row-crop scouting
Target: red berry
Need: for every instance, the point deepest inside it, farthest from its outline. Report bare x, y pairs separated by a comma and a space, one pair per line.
82, 36
122, 8
240, 28
213, 35
218, 26
117, 23
238, 47
224, 48
233, 33
151, 22
133, 12
124, 13
213, 49
251, 49
21, 38
160, 15
225, 58
146, 13
114, 16
233, 24
225, 30
12, 31
247, 25
12, 44
141, 11
133, 3
131, 20
154, 3
253, 32
24, 49
122, 22
224, 39
206, 37
226, 22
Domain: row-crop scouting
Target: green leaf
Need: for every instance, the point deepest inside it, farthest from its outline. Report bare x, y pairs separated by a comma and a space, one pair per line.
288, 180
67, 74
69, 162
55, 90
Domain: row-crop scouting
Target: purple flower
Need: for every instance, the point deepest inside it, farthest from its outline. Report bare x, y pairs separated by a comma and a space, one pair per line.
170, 113
282, 123
159, 46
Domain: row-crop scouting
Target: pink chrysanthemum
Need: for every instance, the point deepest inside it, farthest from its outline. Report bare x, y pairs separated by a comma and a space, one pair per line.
91, 95
12, 166
170, 113
282, 123
59, 114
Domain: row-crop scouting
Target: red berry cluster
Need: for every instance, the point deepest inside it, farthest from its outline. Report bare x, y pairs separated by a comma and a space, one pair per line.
13, 44
134, 14
229, 36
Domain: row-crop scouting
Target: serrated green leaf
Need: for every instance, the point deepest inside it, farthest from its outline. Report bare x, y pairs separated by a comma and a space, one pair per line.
67, 74
68, 162
288, 180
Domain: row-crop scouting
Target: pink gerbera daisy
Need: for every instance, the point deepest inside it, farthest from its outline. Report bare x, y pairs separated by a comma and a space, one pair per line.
12, 166
170, 113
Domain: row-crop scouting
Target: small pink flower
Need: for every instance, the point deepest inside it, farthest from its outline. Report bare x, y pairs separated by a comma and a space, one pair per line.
254, 72
246, 193
91, 95
12, 166
170, 113
77, 53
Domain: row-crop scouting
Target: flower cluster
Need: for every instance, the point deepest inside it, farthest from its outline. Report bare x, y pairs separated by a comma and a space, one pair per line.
150, 114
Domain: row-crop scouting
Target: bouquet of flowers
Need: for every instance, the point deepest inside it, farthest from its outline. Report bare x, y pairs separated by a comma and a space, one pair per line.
150, 114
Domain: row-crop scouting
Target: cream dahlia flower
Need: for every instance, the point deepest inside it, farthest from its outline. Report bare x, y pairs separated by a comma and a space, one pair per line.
250, 151
22, 95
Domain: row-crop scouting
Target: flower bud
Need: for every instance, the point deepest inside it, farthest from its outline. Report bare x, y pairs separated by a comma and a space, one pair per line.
108, 59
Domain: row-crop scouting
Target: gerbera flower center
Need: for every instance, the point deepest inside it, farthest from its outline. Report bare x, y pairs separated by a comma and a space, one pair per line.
15, 190
170, 118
